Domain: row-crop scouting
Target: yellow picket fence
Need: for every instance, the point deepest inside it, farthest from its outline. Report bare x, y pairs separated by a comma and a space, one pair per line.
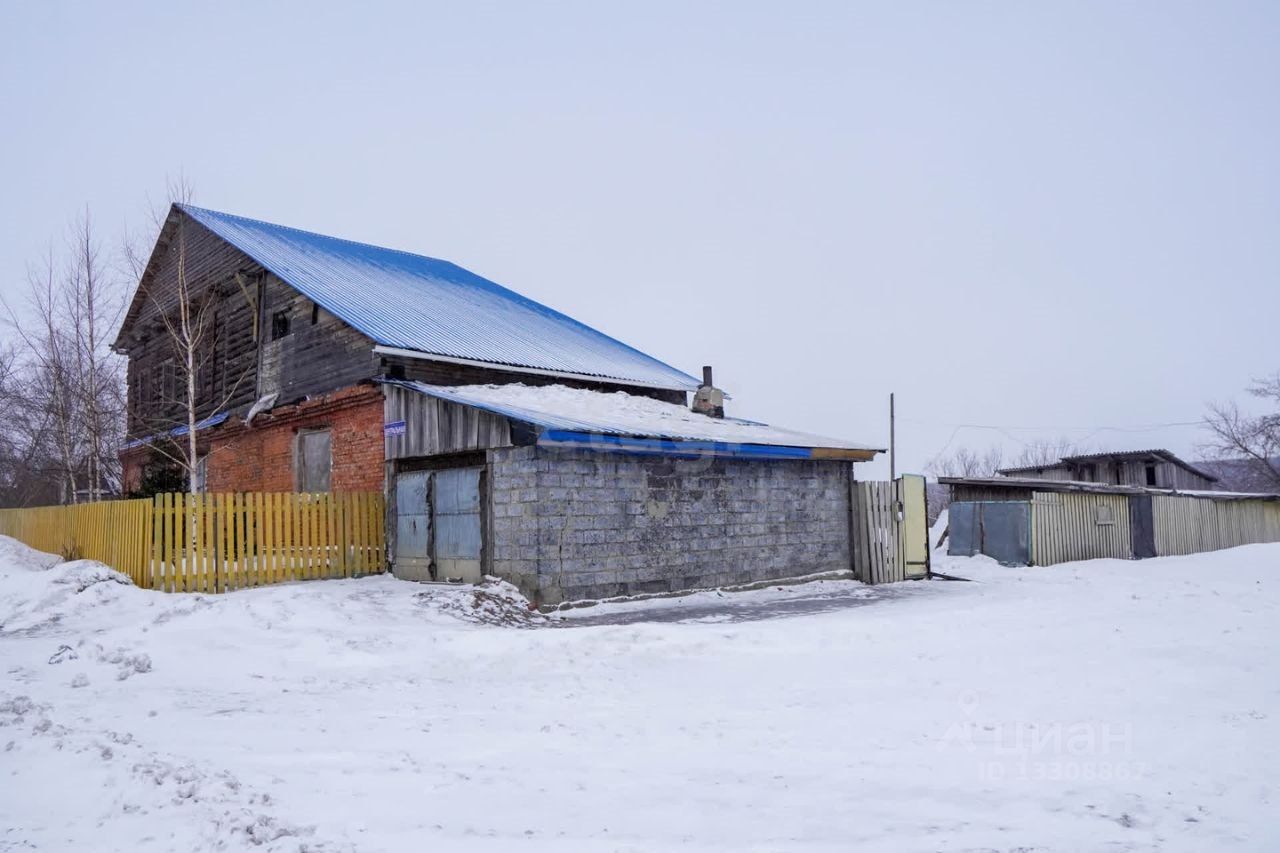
117, 533
215, 543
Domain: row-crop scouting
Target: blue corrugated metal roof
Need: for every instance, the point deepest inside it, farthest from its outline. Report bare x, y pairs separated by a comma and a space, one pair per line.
430, 306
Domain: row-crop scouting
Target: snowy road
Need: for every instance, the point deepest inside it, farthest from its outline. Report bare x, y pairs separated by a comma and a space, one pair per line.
1095, 706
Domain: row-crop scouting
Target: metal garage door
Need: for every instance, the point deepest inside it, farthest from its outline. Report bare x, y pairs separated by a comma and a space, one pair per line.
455, 499
413, 527
438, 528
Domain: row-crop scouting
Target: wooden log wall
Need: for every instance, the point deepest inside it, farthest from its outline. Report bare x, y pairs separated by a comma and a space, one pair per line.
242, 359
318, 353
226, 377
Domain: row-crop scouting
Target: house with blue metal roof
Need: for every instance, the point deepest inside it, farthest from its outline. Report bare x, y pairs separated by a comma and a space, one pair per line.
509, 438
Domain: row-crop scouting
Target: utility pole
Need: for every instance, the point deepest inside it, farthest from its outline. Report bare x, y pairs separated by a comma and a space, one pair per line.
893, 462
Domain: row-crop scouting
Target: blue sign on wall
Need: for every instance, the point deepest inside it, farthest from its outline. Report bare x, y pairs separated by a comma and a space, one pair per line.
393, 428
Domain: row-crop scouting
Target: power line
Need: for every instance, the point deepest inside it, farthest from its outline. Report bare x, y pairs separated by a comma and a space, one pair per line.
1004, 427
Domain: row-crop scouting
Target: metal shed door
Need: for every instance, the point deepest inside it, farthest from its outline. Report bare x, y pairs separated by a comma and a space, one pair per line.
1142, 527
413, 527
999, 529
456, 517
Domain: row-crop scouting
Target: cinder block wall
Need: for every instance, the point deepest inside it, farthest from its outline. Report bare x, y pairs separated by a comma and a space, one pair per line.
576, 524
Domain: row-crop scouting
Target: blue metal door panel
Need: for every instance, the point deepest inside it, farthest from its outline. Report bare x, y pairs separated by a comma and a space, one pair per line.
1006, 532
413, 526
456, 517
458, 536
999, 529
961, 536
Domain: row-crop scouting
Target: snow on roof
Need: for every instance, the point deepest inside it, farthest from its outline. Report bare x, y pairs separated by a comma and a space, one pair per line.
1039, 485
407, 301
1066, 461
558, 407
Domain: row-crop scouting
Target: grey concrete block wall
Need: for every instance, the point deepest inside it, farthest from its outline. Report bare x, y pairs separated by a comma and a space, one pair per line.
572, 524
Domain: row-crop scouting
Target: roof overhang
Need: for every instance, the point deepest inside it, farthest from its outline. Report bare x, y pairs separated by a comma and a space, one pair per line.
181, 430
1038, 485
533, 371
691, 449
584, 419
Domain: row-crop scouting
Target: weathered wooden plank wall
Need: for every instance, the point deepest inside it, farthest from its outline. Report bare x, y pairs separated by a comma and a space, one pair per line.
319, 352
241, 359
433, 426
1068, 526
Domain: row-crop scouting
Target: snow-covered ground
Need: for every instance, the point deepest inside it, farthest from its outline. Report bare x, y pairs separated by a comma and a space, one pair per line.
1093, 706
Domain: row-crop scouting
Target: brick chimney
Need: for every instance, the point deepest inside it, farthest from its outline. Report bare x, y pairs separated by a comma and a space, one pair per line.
708, 399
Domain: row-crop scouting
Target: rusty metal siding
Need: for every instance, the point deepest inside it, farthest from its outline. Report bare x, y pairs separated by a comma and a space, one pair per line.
1067, 526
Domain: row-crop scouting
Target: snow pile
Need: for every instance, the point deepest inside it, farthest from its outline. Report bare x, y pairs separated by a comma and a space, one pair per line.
493, 602
16, 555
38, 596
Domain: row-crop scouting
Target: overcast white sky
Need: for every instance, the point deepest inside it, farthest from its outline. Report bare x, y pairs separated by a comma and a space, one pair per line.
1047, 218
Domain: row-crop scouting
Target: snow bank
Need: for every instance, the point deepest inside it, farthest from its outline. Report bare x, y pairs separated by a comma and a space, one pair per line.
17, 556
1115, 705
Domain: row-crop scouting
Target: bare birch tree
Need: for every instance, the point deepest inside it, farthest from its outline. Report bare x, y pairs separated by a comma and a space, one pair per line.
49, 365
966, 462
184, 308
92, 303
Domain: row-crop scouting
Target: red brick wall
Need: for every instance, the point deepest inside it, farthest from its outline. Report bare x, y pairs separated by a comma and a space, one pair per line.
131, 462
261, 457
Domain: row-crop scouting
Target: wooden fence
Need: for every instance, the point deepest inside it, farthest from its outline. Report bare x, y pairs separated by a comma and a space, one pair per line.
117, 533
215, 543
888, 547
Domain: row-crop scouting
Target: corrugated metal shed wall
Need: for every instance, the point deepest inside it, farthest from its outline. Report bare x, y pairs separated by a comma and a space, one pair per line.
1069, 526
1186, 525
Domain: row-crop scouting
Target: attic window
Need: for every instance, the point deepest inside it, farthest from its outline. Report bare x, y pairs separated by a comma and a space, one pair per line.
315, 313
279, 325
1151, 475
